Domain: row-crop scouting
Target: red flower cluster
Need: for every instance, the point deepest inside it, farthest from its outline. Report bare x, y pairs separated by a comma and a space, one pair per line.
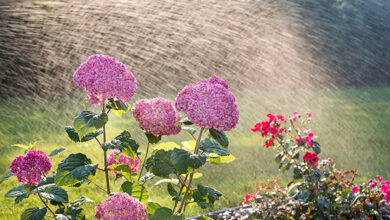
270, 126
308, 139
311, 158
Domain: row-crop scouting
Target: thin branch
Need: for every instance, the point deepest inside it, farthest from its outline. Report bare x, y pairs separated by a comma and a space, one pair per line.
98, 141
97, 186
39, 194
105, 157
143, 162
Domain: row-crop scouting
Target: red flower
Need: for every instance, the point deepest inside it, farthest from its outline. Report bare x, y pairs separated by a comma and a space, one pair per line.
269, 142
311, 158
247, 197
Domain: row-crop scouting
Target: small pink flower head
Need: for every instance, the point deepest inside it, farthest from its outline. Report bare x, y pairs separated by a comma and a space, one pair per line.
355, 189
122, 159
329, 160
372, 183
311, 158
104, 77
209, 104
157, 116
385, 190
309, 115
30, 167
309, 137
380, 179
120, 206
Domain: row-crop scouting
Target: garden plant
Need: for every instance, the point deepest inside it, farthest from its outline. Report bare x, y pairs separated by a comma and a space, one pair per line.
318, 190
205, 110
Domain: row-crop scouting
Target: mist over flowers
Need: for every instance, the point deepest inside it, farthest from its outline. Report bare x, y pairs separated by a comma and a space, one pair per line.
120, 206
104, 77
122, 159
156, 116
209, 104
30, 167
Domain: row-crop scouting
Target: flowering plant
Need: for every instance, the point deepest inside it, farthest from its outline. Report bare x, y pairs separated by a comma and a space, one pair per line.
209, 106
318, 189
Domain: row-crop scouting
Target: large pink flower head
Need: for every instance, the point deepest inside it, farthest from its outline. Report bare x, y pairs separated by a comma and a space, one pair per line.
122, 159
105, 78
156, 116
120, 206
209, 104
29, 168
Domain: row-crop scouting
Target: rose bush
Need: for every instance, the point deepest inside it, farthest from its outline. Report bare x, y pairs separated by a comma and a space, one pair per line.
318, 189
210, 107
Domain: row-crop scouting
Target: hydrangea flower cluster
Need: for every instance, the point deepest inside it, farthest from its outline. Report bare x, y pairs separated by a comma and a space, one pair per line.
385, 188
30, 167
311, 158
209, 104
156, 116
120, 206
104, 78
122, 159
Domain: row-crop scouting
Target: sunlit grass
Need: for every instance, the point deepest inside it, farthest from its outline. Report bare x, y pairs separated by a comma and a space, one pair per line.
352, 124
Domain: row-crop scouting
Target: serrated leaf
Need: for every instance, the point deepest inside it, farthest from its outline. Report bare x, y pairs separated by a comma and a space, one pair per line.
74, 169
152, 207
147, 176
190, 130
91, 135
186, 121
161, 213
124, 143
79, 202
172, 192
135, 190
33, 214
117, 106
160, 163
123, 169
16, 191
206, 196
211, 146
74, 136
7, 174
152, 138
219, 136
54, 193
56, 151
87, 122
185, 161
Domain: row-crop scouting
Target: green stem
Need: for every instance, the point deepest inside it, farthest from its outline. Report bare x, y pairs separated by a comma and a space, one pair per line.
143, 162
192, 174
105, 157
39, 194
180, 191
97, 185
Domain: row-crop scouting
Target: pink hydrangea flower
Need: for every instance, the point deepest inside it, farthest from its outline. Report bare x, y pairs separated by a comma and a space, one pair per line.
355, 189
157, 116
120, 206
104, 77
311, 158
380, 179
30, 167
122, 159
209, 104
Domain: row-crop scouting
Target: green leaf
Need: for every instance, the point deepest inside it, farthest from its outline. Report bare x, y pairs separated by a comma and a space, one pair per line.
219, 136
316, 147
206, 192
172, 192
16, 191
152, 207
54, 193
124, 143
135, 190
189, 145
33, 214
92, 135
117, 106
87, 122
6, 176
210, 146
161, 213
25, 147
56, 151
160, 163
190, 130
186, 121
79, 202
152, 139
123, 169
166, 146
74, 136
74, 169
185, 161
